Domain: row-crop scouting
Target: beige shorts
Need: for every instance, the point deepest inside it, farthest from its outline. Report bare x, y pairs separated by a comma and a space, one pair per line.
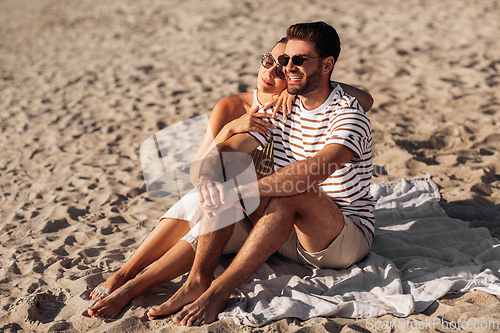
349, 247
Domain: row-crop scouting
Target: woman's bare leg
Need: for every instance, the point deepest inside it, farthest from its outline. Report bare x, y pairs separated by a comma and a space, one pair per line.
208, 252
164, 236
174, 263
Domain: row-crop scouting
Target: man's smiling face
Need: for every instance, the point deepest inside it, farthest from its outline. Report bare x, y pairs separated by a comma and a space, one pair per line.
306, 77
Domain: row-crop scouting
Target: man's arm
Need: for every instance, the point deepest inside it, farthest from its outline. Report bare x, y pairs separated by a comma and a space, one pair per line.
293, 179
300, 176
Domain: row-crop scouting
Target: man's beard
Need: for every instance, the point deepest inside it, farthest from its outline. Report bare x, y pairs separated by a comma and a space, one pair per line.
312, 82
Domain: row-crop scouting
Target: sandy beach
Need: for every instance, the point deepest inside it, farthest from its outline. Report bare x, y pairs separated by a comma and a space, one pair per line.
84, 83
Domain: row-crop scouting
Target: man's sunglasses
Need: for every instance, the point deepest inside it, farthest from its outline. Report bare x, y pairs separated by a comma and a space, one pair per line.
297, 60
269, 62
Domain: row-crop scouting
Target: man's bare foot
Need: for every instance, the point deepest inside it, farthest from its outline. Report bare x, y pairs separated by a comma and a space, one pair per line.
112, 305
204, 310
103, 290
188, 293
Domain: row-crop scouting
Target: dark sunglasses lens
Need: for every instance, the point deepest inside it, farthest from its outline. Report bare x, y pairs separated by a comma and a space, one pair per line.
298, 60
283, 60
279, 72
268, 61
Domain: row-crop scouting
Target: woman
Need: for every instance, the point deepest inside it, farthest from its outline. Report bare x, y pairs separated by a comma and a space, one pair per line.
170, 254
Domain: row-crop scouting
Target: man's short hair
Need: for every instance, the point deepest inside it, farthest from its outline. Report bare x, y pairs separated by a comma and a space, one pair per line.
321, 35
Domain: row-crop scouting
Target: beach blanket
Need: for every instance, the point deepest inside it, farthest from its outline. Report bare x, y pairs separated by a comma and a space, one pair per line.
419, 254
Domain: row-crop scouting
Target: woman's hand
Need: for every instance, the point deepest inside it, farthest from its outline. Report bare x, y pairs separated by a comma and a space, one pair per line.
283, 100
250, 122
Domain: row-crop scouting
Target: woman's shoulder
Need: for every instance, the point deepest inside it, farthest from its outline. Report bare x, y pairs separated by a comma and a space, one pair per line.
236, 103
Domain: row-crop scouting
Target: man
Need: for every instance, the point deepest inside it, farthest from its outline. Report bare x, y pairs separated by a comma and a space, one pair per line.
315, 209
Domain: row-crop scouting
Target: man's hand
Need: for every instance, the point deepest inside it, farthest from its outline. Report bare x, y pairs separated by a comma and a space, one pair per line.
215, 197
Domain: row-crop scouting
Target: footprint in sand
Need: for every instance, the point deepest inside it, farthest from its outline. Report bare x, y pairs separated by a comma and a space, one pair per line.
41, 307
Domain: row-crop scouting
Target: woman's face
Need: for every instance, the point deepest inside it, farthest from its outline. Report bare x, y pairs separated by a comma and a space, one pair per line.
267, 81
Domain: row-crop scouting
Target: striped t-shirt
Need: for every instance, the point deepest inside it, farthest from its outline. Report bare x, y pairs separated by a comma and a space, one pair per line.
341, 120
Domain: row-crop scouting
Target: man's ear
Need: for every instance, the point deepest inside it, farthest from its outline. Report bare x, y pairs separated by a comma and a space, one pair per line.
328, 64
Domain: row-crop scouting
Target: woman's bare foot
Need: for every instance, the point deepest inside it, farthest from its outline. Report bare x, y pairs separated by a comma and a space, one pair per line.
112, 305
204, 310
188, 293
114, 282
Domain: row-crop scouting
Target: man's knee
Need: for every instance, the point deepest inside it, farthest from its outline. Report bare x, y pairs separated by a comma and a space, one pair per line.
289, 203
280, 202
297, 200
301, 203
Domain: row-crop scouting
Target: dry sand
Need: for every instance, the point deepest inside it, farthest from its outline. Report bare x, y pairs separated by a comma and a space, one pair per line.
84, 83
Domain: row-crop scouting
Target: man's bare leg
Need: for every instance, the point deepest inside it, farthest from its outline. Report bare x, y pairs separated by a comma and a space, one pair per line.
164, 236
174, 263
317, 221
208, 252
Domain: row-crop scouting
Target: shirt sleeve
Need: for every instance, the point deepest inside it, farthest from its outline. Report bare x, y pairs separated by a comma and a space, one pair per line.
351, 128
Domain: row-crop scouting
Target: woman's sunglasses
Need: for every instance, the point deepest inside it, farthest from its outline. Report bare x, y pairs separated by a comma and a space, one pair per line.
297, 60
268, 62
